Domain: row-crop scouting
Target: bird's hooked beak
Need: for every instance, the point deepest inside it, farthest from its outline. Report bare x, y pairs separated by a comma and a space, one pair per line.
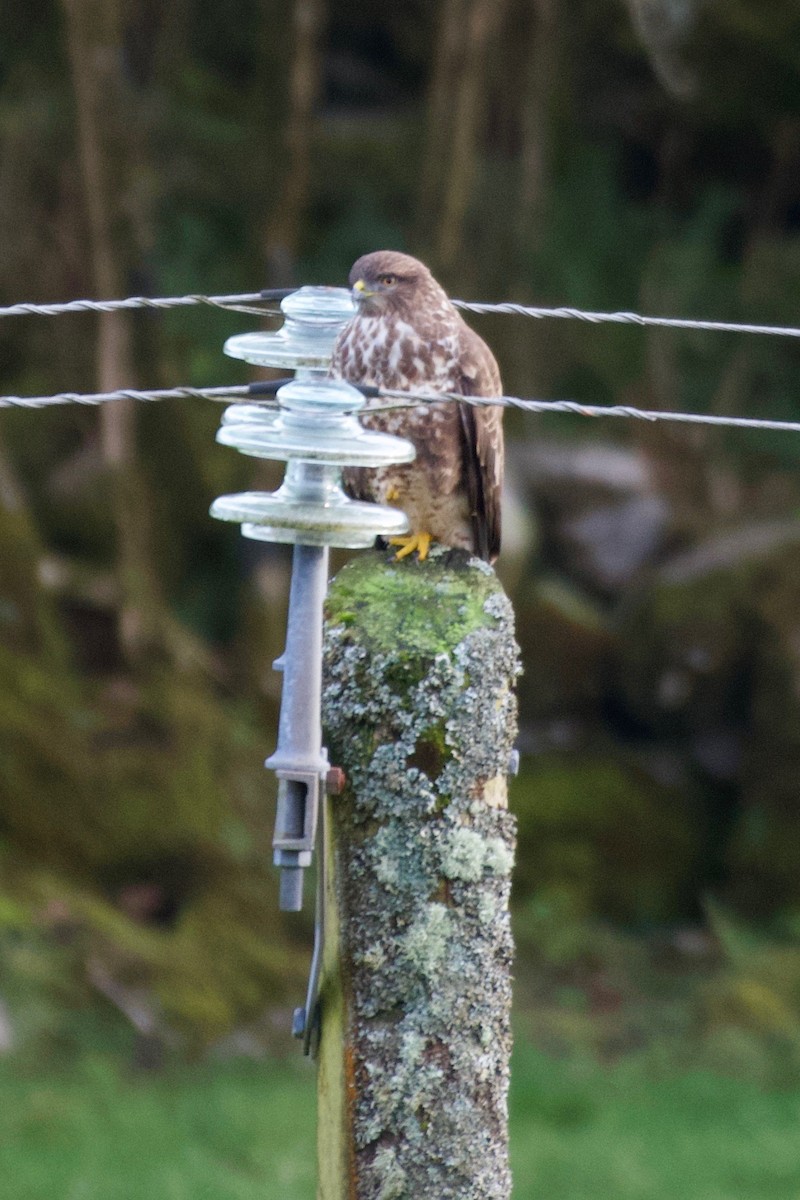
371, 298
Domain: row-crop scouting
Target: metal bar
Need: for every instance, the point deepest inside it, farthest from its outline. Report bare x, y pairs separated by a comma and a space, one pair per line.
300, 760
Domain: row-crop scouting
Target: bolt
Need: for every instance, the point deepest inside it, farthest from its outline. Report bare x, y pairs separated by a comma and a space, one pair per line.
513, 763
335, 781
298, 1022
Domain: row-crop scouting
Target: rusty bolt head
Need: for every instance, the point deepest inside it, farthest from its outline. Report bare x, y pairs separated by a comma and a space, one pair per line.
335, 781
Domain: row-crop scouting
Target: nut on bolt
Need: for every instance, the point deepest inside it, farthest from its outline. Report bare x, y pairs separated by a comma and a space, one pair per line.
335, 780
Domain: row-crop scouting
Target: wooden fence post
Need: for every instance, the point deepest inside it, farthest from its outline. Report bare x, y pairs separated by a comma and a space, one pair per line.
420, 661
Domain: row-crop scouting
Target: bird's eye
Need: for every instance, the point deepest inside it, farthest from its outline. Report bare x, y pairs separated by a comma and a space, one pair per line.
387, 280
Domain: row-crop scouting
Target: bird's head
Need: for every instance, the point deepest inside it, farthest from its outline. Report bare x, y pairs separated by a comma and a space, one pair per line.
387, 279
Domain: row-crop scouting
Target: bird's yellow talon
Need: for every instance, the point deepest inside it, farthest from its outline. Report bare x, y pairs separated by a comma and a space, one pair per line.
392, 494
421, 542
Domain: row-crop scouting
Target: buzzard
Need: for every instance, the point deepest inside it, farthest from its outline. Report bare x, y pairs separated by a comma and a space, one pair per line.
406, 334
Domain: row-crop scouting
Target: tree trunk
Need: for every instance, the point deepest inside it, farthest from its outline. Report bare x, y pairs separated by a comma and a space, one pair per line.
283, 233
480, 23
420, 661
94, 38
540, 86
482, 20
444, 80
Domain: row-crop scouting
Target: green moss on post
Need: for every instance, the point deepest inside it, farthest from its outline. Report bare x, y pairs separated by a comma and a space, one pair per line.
420, 661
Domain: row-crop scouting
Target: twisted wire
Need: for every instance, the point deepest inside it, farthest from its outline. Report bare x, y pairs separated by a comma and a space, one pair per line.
400, 399
626, 318
396, 399
242, 302
95, 398
257, 304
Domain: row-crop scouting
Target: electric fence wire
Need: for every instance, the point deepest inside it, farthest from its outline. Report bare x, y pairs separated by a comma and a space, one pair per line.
395, 399
398, 399
257, 303
243, 302
627, 318
95, 398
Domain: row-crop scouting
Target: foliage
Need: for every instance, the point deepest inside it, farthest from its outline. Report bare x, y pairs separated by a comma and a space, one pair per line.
602, 832
532, 151
754, 1002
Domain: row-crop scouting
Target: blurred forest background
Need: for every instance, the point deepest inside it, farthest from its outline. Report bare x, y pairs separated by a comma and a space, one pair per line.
605, 154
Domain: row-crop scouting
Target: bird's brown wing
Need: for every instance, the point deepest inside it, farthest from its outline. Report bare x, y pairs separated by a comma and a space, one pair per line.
482, 442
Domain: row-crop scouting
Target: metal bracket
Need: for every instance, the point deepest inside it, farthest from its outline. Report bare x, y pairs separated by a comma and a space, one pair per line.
315, 430
307, 1021
296, 821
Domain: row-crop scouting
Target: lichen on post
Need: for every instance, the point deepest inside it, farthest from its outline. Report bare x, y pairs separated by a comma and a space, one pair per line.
418, 709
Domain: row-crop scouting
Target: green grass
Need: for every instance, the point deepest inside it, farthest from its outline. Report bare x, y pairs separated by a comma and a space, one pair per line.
220, 1131
239, 1130
584, 1132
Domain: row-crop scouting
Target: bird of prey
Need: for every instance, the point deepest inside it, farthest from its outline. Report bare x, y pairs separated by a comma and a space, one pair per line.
407, 335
